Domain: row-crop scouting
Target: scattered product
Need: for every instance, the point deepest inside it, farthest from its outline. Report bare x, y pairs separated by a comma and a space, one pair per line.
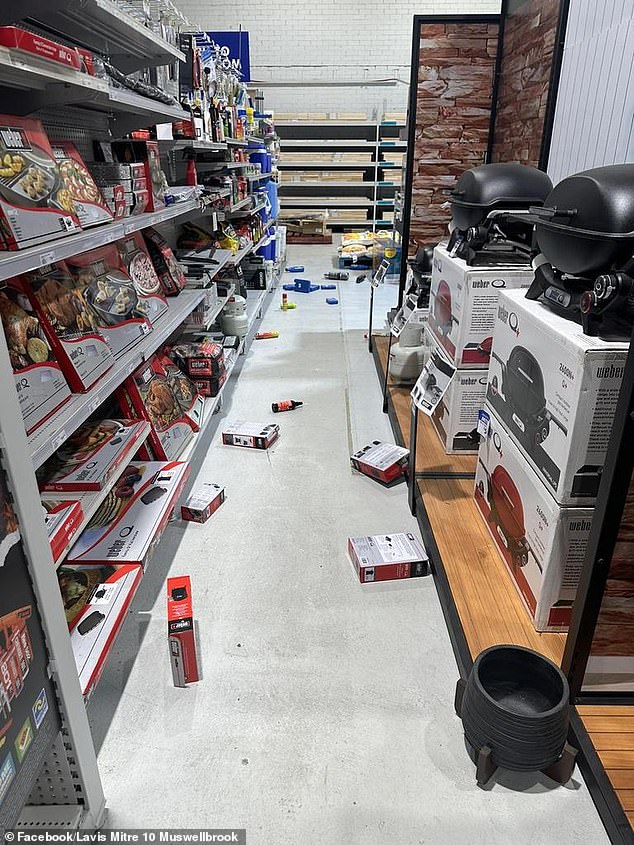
251, 435
180, 627
304, 286
383, 461
388, 557
284, 301
286, 405
328, 287
337, 277
204, 500
298, 268
361, 278
266, 335
330, 300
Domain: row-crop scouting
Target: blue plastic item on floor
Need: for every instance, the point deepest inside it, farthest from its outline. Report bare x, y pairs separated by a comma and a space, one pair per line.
332, 301
298, 268
328, 287
305, 286
288, 287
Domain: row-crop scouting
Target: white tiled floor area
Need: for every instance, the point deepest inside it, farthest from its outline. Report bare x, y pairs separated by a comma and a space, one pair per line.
325, 714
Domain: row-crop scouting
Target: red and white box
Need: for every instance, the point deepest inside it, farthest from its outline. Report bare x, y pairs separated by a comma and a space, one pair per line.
147, 153
167, 267
204, 500
149, 392
112, 297
191, 401
388, 557
96, 600
463, 306
16, 38
251, 435
132, 518
34, 207
63, 520
456, 415
138, 265
39, 380
201, 359
90, 205
92, 455
542, 544
71, 328
181, 631
383, 461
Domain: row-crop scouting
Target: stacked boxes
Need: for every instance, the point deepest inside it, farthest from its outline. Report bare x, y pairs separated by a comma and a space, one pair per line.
550, 402
463, 306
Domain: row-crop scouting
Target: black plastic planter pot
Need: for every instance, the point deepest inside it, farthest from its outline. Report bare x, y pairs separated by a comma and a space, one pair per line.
514, 710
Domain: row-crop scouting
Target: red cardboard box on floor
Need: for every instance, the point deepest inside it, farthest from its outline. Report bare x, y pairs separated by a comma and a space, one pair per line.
388, 557
383, 461
180, 627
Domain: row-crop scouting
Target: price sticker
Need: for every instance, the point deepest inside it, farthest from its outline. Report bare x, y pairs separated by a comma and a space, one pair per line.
96, 402
484, 421
47, 258
128, 228
380, 274
59, 440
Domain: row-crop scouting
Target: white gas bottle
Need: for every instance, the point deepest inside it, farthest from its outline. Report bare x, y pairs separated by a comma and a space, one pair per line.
408, 355
233, 317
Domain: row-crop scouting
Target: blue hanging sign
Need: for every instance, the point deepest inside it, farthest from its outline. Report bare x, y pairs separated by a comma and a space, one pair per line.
233, 49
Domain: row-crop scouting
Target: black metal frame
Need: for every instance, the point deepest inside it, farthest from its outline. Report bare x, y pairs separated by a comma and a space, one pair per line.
419, 21
553, 85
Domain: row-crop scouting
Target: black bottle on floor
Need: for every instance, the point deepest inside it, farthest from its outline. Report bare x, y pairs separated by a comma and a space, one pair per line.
287, 405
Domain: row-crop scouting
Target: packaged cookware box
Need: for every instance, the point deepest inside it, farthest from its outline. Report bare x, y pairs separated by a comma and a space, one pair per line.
190, 399
147, 153
167, 267
463, 306
96, 599
181, 631
91, 456
556, 390
72, 327
542, 544
39, 380
130, 521
112, 296
383, 461
35, 205
16, 38
138, 265
388, 557
203, 500
62, 519
149, 391
89, 203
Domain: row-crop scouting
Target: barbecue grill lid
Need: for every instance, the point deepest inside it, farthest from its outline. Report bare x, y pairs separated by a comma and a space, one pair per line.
525, 382
508, 503
507, 185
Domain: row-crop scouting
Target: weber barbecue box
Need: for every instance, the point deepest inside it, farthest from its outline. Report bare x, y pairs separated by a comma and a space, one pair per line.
204, 500
35, 206
383, 461
250, 435
556, 390
62, 520
131, 519
16, 38
456, 416
112, 297
146, 152
71, 326
167, 267
96, 599
91, 456
89, 204
150, 394
138, 265
204, 359
463, 306
388, 557
181, 631
39, 381
210, 387
542, 544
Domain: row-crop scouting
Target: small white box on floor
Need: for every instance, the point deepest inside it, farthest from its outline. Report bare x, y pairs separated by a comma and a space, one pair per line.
387, 557
383, 461
556, 390
250, 435
542, 544
463, 306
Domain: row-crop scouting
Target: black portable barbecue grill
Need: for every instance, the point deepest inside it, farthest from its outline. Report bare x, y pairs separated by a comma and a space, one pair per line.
585, 231
483, 231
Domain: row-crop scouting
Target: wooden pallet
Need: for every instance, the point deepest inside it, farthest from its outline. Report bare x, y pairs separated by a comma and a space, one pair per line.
297, 238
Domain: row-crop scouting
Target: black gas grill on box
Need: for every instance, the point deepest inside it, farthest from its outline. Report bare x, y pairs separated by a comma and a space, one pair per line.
585, 231
483, 231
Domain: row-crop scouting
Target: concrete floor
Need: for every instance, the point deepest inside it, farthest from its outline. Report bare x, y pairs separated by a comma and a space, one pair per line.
325, 711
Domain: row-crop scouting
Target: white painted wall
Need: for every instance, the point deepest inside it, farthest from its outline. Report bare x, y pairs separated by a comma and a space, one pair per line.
594, 117
328, 40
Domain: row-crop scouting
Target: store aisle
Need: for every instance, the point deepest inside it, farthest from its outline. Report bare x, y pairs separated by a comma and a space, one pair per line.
325, 711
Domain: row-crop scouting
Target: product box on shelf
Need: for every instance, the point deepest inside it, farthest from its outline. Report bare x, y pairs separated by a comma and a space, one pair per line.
204, 500
200, 359
190, 400
251, 435
542, 544
138, 202
131, 520
147, 153
456, 416
463, 306
556, 390
92, 455
150, 394
105, 172
89, 204
138, 265
167, 267
39, 380
181, 631
16, 38
383, 461
209, 387
35, 207
62, 520
112, 297
72, 328
388, 557
96, 599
